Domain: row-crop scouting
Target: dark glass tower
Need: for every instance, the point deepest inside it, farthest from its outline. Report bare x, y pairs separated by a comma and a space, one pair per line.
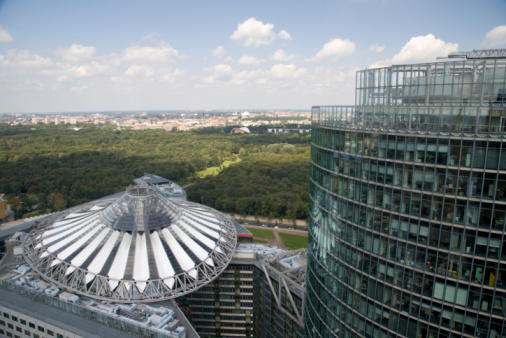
408, 202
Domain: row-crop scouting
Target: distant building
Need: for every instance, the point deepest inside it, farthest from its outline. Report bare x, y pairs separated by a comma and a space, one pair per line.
242, 130
288, 131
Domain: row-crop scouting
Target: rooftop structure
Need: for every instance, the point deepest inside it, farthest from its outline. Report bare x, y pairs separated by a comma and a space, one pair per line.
260, 294
407, 204
140, 246
164, 186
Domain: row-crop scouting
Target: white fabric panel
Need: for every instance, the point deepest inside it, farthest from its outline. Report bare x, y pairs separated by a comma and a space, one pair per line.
207, 221
70, 229
56, 262
89, 277
79, 243
189, 242
97, 207
201, 228
60, 226
69, 239
141, 264
163, 265
113, 284
182, 257
78, 214
70, 269
117, 269
141, 286
99, 261
198, 235
88, 250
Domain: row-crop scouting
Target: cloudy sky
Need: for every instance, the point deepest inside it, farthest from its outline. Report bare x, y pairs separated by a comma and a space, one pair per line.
63, 56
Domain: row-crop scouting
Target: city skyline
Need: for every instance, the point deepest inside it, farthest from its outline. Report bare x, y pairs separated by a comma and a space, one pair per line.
65, 56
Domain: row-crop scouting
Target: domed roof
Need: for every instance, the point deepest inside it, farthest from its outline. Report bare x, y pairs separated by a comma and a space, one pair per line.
141, 246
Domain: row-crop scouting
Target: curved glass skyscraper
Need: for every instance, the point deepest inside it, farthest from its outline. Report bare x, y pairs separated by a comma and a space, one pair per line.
408, 202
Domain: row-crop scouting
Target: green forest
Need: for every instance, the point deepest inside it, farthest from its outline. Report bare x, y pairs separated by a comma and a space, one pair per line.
46, 168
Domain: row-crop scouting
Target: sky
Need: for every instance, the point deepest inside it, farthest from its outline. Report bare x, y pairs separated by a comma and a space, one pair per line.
73, 56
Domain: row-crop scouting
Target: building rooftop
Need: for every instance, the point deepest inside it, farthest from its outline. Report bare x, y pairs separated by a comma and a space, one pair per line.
140, 246
45, 301
164, 186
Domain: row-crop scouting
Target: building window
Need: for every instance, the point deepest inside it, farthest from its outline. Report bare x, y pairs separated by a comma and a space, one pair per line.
10, 326
59, 335
40, 328
2, 323
32, 325
22, 321
27, 333
50, 333
14, 318
6, 315
18, 329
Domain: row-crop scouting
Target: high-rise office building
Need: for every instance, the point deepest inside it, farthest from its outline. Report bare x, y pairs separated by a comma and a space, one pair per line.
408, 202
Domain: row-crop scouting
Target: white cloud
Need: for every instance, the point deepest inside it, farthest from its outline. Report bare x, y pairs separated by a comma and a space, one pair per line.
145, 54
283, 35
250, 60
376, 48
420, 49
139, 71
253, 32
221, 73
280, 55
219, 52
24, 61
335, 50
496, 37
77, 53
5, 36
287, 71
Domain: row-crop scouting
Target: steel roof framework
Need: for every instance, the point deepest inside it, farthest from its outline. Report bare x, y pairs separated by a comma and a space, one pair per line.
191, 219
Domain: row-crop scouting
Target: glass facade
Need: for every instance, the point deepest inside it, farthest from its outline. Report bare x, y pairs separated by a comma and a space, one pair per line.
407, 205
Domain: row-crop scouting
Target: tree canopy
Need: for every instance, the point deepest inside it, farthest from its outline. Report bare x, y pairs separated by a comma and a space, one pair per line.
54, 167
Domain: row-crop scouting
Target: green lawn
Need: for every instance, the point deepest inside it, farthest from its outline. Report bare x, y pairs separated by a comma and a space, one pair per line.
213, 171
294, 242
259, 241
267, 234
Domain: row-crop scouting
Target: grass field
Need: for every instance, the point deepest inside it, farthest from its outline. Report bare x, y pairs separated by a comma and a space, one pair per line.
259, 241
267, 234
213, 171
294, 242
